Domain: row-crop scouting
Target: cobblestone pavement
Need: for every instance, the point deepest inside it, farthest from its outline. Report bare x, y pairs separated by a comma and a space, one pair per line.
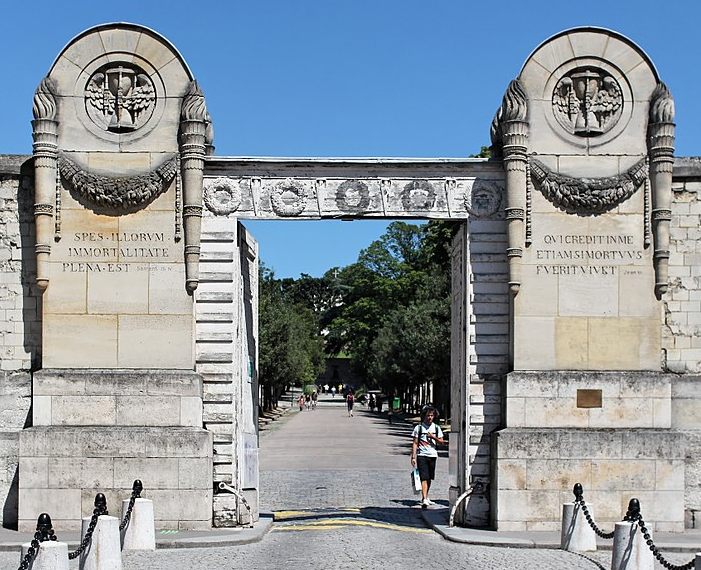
340, 490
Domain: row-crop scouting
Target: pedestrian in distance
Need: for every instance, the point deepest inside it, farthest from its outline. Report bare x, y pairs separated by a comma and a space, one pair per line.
315, 397
426, 436
301, 403
350, 400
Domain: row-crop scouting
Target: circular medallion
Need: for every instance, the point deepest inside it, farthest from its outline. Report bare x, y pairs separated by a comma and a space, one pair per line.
288, 198
352, 195
587, 101
120, 97
418, 195
222, 196
483, 198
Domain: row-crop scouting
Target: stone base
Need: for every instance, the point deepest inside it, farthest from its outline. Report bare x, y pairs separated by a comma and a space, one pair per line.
62, 469
536, 469
229, 510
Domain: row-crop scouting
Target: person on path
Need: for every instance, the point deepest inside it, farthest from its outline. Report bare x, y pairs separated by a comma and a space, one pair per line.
315, 397
426, 436
350, 400
301, 403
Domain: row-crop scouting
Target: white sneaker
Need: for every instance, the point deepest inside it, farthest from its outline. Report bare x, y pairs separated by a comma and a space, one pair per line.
429, 502
425, 503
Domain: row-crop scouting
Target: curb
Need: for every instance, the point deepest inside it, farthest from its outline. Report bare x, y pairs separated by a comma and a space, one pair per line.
12, 541
436, 519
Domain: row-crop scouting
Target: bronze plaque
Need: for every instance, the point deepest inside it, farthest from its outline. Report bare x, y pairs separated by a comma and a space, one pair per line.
588, 398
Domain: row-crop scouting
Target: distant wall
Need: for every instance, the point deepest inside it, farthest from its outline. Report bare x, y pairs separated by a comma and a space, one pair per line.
20, 328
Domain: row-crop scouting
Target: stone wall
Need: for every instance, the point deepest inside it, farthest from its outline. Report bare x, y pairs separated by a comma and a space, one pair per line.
20, 337
681, 336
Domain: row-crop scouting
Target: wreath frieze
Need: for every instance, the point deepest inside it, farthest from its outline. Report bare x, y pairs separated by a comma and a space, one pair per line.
587, 195
119, 193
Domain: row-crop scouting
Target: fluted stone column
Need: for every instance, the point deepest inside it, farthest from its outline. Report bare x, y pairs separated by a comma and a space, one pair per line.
661, 149
45, 149
193, 131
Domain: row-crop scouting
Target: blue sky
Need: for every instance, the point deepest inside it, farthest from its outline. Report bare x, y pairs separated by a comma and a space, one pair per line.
316, 78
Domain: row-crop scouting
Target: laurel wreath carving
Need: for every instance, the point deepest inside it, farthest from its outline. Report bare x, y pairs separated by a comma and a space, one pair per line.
222, 196
295, 194
587, 195
120, 193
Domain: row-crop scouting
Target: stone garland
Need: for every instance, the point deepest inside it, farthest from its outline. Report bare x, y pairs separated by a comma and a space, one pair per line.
119, 193
587, 195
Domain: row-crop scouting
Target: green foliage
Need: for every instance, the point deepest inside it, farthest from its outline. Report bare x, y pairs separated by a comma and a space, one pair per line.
290, 346
389, 311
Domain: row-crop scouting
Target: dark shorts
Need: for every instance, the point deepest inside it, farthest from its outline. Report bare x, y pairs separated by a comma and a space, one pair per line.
427, 467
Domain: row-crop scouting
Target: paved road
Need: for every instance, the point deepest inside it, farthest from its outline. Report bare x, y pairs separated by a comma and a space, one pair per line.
340, 489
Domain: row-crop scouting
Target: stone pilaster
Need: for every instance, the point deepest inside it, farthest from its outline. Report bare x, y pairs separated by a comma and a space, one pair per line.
512, 126
193, 131
45, 134
661, 152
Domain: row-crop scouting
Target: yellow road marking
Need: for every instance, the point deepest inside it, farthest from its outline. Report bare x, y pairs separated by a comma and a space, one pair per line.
282, 515
334, 524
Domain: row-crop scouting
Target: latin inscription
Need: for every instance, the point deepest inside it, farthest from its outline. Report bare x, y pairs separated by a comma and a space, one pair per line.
96, 251
580, 254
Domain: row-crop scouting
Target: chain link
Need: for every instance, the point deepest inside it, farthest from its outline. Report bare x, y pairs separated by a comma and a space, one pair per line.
100, 509
590, 520
135, 494
656, 551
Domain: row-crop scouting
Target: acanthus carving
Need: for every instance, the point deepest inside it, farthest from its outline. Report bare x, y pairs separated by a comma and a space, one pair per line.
587, 195
120, 193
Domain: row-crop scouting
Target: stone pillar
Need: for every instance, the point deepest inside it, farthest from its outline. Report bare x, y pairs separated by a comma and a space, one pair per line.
103, 552
661, 150
577, 535
51, 555
630, 552
140, 533
45, 134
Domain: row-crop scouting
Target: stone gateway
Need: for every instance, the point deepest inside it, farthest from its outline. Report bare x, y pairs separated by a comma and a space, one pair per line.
128, 291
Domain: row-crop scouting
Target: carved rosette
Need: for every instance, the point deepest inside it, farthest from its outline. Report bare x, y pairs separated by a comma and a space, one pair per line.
45, 151
510, 140
288, 198
194, 120
222, 196
661, 130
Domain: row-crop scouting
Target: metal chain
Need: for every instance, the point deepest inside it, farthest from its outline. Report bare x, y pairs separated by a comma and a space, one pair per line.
656, 552
579, 500
43, 533
591, 522
100, 509
135, 494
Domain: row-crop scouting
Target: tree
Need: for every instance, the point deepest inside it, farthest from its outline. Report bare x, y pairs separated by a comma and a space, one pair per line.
290, 347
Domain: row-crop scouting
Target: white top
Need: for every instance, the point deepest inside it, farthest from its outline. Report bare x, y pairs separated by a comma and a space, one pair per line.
427, 447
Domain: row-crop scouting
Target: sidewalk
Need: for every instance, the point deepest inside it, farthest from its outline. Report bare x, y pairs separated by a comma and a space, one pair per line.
437, 519
12, 541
